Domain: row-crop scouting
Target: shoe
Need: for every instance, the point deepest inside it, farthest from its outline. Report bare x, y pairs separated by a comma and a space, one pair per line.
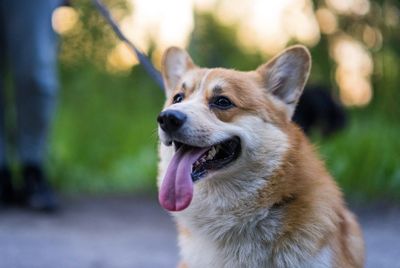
38, 194
7, 192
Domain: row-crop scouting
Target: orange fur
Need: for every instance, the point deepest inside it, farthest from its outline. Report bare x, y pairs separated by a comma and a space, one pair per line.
309, 208
314, 206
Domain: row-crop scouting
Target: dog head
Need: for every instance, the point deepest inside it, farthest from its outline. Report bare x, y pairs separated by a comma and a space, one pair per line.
220, 124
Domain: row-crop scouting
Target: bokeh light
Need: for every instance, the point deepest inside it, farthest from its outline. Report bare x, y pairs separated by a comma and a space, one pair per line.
64, 19
267, 26
349, 7
121, 59
327, 21
354, 70
165, 23
261, 26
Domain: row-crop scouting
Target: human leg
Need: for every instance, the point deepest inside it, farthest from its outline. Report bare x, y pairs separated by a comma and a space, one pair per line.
6, 187
32, 46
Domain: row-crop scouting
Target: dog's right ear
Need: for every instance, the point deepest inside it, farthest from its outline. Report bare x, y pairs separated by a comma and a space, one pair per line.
175, 63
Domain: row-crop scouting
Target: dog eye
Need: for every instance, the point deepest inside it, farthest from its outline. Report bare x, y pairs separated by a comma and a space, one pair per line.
178, 98
222, 102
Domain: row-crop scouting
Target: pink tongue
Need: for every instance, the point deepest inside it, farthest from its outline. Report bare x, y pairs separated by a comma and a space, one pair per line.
177, 187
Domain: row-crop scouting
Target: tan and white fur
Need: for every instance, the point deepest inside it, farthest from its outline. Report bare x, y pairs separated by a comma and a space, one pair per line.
274, 206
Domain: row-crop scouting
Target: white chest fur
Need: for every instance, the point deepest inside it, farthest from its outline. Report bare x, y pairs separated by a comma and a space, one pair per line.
222, 236
199, 252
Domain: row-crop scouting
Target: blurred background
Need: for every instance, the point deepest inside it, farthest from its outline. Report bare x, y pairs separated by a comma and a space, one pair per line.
104, 139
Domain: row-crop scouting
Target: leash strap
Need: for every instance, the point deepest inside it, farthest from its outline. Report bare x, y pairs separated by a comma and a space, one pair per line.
154, 74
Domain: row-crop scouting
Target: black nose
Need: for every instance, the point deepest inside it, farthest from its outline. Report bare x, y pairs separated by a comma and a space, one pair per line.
171, 120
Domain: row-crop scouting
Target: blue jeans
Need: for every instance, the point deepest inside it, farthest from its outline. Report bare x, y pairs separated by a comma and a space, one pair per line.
28, 46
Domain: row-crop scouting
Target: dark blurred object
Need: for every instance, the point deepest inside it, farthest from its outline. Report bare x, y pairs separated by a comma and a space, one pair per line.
66, 3
38, 194
318, 110
7, 193
28, 49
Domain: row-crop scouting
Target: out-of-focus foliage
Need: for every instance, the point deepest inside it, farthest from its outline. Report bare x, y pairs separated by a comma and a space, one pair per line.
105, 137
223, 49
90, 39
378, 31
105, 133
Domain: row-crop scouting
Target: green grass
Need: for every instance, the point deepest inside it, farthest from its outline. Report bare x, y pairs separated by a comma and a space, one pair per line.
105, 140
365, 157
104, 136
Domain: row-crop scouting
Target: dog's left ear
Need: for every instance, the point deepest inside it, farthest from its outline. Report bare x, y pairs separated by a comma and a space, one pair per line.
175, 63
286, 74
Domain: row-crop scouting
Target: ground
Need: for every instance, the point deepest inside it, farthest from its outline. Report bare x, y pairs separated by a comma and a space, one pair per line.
132, 232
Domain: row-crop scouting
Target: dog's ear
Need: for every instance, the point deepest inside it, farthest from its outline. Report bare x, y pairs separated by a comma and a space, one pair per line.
286, 74
175, 63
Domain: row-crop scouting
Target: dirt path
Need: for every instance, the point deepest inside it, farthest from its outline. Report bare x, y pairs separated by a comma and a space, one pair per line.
118, 232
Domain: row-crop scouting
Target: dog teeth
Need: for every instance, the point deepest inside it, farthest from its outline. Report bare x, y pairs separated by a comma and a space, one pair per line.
209, 156
211, 153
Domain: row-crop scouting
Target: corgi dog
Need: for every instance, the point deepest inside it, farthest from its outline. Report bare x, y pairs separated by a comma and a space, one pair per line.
244, 184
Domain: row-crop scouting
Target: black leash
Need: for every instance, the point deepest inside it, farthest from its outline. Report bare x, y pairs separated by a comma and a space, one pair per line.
143, 59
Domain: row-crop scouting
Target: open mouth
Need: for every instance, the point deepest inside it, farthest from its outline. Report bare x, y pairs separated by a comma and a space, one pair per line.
216, 157
188, 165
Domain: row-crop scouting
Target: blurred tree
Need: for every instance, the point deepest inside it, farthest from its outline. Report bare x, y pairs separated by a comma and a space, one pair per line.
375, 25
215, 45
91, 38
